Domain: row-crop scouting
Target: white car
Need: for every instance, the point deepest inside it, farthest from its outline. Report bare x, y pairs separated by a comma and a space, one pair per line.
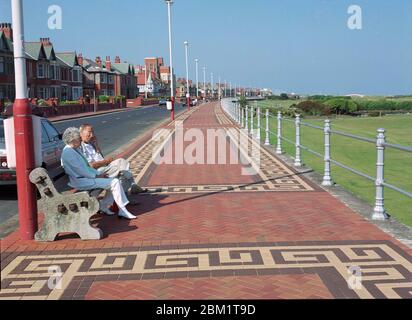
52, 147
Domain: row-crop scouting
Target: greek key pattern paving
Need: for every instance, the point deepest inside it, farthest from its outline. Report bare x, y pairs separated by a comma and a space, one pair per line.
385, 270
272, 174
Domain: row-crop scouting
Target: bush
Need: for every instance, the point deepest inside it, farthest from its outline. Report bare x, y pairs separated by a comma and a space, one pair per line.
342, 106
314, 108
42, 103
242, 101
104, 99
67, 102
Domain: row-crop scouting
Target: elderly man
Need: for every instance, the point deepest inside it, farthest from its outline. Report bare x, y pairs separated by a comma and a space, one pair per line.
118, 168
83, 177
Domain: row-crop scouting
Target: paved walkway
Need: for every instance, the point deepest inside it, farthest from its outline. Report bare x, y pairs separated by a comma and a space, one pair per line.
209, 232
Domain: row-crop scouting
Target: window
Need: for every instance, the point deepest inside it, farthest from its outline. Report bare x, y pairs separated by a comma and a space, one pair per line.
51, 131
2, 65
44, 136
52, 72
103, 78
77, 93
76, 75
110, 79
40, 70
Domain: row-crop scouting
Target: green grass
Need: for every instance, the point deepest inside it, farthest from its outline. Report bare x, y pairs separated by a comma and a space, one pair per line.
360, 156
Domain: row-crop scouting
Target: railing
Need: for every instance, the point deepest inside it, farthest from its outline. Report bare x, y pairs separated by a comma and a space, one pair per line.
240, 115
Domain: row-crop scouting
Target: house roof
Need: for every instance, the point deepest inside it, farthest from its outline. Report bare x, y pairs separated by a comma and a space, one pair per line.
91, 66
68, 58
124, 68
49, 50
7, 42
34, 50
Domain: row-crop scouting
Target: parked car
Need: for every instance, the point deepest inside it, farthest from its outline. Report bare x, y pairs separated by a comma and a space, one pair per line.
193, 102
162, 102
52, 147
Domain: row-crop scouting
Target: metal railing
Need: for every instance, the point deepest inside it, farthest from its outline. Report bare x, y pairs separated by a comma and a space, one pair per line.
241, 116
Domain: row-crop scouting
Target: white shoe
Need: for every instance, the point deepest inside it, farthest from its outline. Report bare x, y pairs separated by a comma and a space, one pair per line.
107, 212
126, 214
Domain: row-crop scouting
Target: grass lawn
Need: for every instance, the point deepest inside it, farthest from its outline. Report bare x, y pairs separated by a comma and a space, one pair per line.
360, 156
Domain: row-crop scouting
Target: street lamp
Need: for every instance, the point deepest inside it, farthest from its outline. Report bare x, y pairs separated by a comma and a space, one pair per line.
204, 83
23, 131
211, 84
187, 76
197, 78
172, 93
145, 81
218, 92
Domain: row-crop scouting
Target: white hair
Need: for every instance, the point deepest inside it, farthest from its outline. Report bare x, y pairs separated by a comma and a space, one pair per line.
71, 134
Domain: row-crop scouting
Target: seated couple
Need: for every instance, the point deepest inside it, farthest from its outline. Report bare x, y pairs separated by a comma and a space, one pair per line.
87, 170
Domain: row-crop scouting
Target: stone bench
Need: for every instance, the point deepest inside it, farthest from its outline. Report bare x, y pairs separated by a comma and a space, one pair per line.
65, 212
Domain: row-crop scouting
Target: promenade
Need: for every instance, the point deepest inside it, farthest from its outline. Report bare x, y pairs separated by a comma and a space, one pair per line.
208, 231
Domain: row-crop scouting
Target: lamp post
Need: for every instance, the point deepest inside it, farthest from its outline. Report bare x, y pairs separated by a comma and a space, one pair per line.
23, 131
197, 78
145, 82
187, 76
218, 92
204, 83
211, 84
172, 93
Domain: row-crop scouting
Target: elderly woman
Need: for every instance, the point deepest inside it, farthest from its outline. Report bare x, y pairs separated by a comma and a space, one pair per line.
84, 177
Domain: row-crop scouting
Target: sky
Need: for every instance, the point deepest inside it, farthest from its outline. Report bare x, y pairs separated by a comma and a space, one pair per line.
301, 46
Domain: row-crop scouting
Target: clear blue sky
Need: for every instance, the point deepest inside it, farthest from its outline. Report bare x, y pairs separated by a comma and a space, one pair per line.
301, 46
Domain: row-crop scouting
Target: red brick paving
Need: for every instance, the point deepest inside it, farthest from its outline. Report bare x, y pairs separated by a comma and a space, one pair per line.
180, 220
247, 288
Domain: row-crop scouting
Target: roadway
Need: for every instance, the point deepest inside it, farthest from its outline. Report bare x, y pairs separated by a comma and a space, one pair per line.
113, 131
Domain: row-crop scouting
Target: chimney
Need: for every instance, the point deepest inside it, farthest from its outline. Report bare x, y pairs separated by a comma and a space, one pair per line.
117, 60
80, 59
7, 30
99, 61
108, 63
45, 41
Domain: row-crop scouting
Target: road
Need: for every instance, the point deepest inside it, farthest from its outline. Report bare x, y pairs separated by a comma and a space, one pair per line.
113, 130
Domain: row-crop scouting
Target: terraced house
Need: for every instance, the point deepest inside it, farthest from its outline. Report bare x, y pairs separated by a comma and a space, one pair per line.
49, 74
7, 90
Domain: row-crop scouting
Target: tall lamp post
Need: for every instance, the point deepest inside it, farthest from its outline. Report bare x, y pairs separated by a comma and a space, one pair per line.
172, 89
23, 127
204, 83
211, 84
187, 75
197, 78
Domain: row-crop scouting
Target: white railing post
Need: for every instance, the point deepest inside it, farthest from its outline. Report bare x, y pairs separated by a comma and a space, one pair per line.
379, 212
247, 119
327, 180
252, 131
267, 140
279, 142
298, 162
258, 124
242, 111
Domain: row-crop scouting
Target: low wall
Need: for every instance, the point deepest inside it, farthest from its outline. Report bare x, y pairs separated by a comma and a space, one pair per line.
140, 101
77, 108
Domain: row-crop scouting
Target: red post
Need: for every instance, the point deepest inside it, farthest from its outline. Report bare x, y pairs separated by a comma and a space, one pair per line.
23, 131
188, 103
172, 112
